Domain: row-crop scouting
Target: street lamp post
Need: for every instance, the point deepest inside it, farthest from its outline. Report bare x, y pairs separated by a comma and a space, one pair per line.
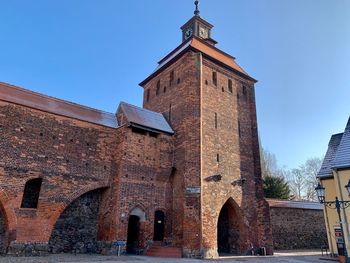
320, 190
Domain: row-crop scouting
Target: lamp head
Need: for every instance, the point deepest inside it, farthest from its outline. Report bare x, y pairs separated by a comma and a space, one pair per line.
320, 190
348, 187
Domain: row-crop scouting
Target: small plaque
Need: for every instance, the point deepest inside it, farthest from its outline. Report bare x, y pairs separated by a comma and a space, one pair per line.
193, 190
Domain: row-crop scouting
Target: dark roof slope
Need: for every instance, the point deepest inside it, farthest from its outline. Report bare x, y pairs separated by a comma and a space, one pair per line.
342, 157
13, 94
143, 118
326, 168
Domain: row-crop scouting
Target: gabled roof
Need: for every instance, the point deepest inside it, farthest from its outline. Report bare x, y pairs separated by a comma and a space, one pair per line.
16, 95
333, 145
199, 45
342, 157
143, 118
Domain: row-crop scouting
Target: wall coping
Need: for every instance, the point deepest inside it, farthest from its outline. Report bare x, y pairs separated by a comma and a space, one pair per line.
294, 204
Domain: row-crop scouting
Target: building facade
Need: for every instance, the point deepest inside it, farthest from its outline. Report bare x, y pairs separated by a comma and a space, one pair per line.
334, 175
182, 171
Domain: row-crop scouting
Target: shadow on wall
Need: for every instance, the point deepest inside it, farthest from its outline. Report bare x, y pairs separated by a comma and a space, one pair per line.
76, 229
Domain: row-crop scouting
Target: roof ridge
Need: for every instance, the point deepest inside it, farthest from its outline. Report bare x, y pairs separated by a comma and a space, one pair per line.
347, 128
38, 101
140, 108
287, 200
342, 156
52, 97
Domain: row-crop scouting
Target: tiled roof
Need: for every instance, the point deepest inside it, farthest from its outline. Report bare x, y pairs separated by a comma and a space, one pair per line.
16, 95
206, 49
139, 117
342, 157
217, 54
326, 168
294, 204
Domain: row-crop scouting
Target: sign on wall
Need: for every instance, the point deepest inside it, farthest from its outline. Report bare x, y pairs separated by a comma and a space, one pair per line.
338, 235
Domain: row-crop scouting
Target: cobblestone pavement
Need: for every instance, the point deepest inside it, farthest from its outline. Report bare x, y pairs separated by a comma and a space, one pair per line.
296, 257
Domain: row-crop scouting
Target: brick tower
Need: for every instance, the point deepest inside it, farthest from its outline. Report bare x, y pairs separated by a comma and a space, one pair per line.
209, 101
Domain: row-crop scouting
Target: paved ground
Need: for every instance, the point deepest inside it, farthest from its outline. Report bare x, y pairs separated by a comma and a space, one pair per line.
290, 257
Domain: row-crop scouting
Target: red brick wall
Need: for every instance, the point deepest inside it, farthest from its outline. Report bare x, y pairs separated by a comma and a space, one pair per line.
162, 172
144, 181
75, 157
223, 140
197, 142
185, 120
72, 157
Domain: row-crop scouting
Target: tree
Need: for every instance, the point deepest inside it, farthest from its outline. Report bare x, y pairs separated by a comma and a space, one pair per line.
268, 163
303, 180
276, 187
297, 183
310, 169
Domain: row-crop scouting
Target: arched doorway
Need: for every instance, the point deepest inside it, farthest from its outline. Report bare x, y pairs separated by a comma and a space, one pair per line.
132, 244
3, 233
136, 218
159, 218
229, 230
76, 229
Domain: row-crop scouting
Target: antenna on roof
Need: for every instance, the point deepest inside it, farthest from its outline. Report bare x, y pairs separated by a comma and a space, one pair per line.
196, 12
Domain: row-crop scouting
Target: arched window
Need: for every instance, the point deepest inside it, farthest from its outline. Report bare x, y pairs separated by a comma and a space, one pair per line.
31, 193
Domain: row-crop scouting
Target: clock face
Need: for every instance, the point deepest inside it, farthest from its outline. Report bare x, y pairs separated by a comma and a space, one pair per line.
188, 32
203, 32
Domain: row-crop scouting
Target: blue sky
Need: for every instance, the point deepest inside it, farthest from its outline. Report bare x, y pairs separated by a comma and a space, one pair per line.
96, 52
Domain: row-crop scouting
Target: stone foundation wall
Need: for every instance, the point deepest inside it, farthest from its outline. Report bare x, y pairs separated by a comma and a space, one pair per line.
2, 234
295, 228
76, 229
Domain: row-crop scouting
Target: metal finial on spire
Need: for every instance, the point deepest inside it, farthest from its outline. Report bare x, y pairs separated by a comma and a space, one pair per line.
196, 12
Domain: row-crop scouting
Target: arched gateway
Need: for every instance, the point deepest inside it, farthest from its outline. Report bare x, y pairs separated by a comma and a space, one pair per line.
229, 229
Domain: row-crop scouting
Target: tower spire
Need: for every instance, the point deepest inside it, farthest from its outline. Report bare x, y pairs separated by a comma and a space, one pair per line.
196, 12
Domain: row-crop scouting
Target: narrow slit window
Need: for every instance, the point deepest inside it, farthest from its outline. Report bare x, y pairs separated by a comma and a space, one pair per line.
217, 157
239, 128
158, 88
216, 120
171, 78
230, 85
170, 112
215, 78
244, 91
31, 193
147, 95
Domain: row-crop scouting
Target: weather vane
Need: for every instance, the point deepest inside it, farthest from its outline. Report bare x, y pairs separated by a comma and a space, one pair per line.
196, 12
